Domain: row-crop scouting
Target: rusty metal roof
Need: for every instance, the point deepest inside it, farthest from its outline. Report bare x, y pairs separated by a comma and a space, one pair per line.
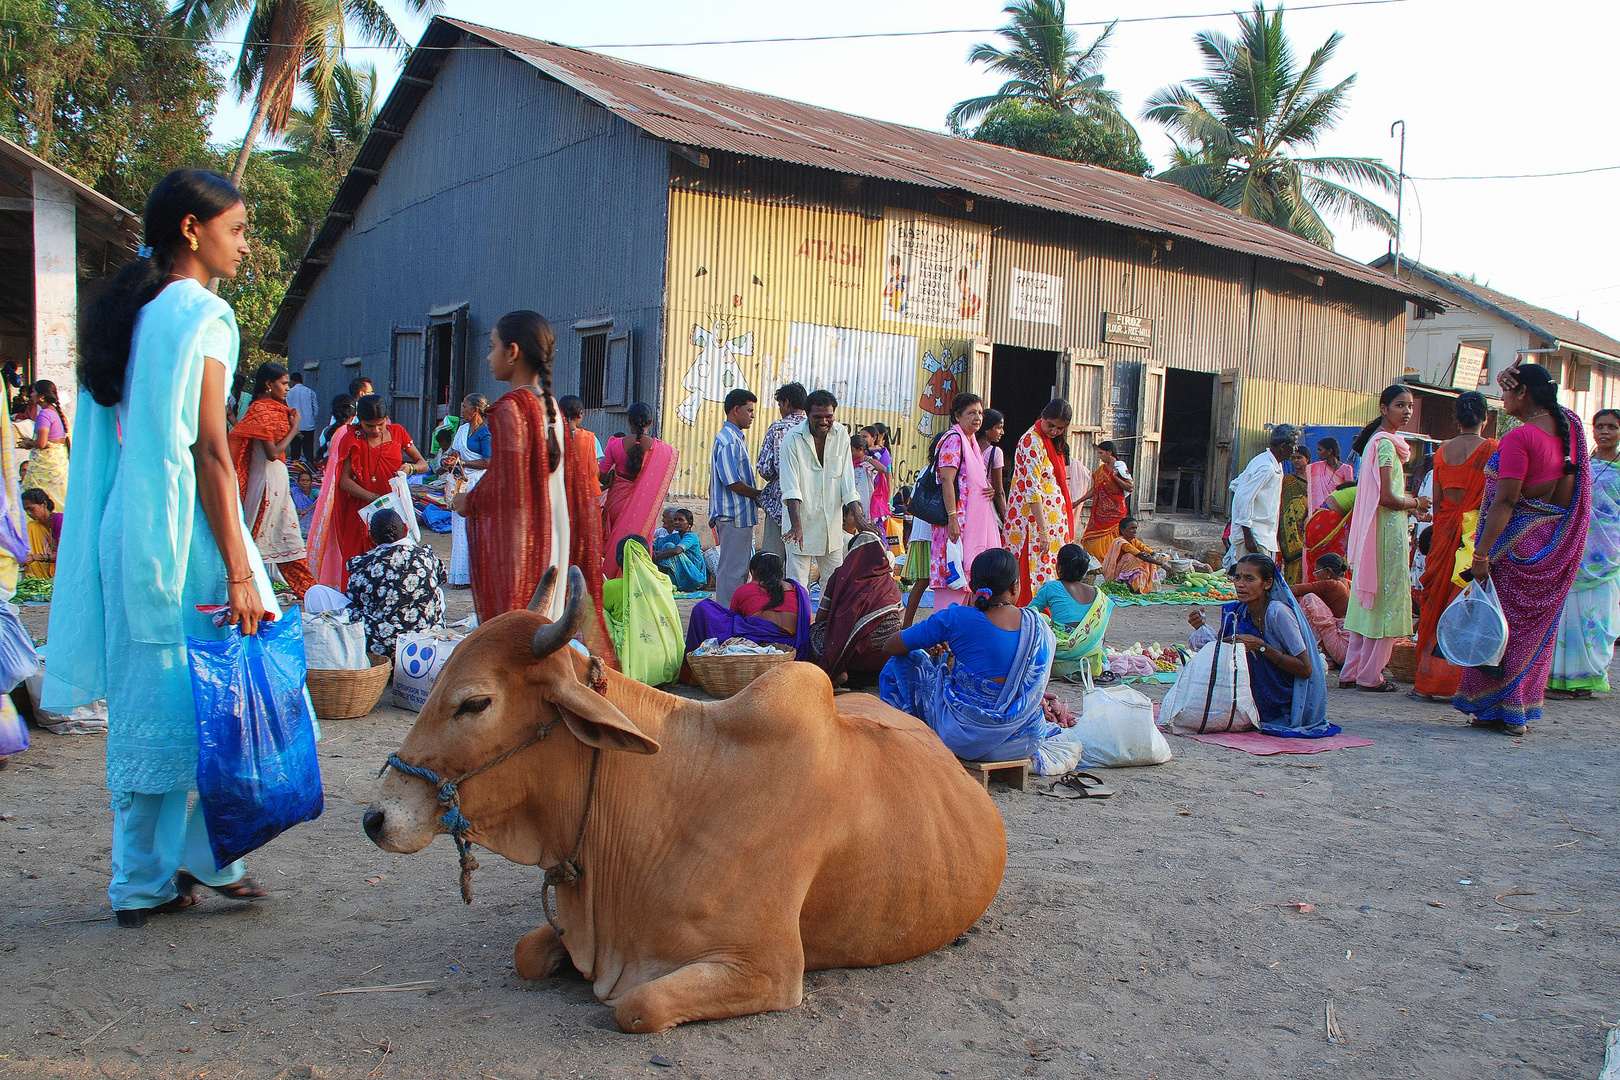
710, 116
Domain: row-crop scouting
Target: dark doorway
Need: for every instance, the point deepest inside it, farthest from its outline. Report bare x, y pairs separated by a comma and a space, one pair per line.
1184, 462
446, 369
1021, 383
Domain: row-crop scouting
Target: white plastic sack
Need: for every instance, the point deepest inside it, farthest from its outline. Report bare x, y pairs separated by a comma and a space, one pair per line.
1058, 753
1473, 631
324, 598
398, 500
85, 720
956, 574
417, 660
335, 641
1116, 726
1212, 694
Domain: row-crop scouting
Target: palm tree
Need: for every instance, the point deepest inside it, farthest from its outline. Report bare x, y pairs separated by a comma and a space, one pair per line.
337, 121
1046, 68
285, 41
1243, 122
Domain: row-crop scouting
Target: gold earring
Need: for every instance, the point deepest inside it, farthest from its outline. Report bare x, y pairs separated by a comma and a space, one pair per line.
193, 243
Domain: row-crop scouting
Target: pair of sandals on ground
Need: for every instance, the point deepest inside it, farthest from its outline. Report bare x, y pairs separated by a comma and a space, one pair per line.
244, 889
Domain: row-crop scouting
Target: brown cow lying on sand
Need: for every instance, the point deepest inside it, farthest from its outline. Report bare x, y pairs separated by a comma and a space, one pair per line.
724, 847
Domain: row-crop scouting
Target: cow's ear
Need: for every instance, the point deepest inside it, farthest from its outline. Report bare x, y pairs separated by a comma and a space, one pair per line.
595, 721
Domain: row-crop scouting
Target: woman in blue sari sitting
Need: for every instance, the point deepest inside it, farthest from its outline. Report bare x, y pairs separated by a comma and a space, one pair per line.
1285, 667
983, 695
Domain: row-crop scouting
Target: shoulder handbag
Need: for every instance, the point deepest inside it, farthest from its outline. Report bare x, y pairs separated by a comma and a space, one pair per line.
927, 498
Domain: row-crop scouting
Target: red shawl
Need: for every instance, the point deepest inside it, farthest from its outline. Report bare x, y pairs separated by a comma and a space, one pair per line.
585, 529
267, 420
509, 512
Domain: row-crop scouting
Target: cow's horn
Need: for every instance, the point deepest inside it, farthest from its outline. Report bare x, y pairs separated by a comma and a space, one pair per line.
542, 593
553, 636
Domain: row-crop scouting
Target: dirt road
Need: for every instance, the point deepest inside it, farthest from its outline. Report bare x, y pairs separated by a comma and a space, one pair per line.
1152, 935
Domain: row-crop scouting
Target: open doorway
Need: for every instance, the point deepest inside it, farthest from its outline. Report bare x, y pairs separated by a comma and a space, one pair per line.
446, 374
1184, 462
1021, 383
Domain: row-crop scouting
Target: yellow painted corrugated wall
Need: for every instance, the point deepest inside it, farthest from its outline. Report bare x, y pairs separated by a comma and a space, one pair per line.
742, 275
1263, 401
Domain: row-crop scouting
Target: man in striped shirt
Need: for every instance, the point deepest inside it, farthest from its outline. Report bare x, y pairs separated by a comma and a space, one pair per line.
732, 496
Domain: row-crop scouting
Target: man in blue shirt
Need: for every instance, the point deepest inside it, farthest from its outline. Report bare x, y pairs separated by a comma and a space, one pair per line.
732, 496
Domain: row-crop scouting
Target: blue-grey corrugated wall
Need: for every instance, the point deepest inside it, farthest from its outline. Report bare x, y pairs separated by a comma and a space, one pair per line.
507, 191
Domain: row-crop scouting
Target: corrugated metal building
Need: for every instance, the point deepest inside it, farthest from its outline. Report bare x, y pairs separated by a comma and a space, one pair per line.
686, 238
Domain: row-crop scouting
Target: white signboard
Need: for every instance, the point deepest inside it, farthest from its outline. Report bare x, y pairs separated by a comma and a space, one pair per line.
1036, 298
934, 271
863, 369
1470, 365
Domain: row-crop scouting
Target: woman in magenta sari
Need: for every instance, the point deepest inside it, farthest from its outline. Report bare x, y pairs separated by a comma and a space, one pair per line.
639, 468
1532, 530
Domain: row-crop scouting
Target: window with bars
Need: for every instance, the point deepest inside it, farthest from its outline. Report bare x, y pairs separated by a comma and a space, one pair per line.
593, 353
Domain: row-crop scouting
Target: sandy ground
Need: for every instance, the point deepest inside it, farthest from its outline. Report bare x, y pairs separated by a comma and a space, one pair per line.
1151, 935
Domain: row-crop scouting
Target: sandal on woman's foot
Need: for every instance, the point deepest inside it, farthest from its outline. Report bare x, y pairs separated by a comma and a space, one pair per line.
132, 918
243, 888
1515, 729
1348, 684
1386, 687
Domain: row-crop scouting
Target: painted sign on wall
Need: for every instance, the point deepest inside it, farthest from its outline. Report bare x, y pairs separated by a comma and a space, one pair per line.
1127, 330
935, 271
1035, 298
760, 295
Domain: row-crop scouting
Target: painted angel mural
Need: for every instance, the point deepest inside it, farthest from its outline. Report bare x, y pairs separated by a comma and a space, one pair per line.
715, 372
944, 383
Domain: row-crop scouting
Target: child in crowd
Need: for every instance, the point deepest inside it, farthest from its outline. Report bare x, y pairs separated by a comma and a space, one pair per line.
679, 552
858, 446
881, 462
304, 495
1420, 562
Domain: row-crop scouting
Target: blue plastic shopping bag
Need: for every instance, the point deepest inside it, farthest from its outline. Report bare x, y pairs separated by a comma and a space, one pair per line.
257, 773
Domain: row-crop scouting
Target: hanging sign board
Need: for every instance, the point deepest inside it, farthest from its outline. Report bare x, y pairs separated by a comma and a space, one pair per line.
1128, 330
1470, 362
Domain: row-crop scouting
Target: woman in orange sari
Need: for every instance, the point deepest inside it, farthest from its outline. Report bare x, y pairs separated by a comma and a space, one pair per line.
1327, 530
1109, 486
259, 444
1039, 514
584, 497
374, 455
640, 469
1459, 487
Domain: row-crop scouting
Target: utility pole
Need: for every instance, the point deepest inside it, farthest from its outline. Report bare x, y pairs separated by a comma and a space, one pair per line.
1400, 189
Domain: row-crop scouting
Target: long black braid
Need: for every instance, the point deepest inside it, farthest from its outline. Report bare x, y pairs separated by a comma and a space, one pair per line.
640, 418
1538, 383
532, 334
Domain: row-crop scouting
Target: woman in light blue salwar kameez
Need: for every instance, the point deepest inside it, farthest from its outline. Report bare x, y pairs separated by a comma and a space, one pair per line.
153, 528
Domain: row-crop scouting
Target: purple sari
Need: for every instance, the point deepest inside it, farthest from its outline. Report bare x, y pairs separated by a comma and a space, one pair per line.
710, 620
1533, 564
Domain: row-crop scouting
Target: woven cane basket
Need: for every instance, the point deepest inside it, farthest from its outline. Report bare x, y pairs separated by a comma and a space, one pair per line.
723, 676
346, 695
1403, 662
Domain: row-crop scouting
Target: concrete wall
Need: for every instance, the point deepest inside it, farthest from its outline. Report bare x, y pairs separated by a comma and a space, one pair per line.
56, 287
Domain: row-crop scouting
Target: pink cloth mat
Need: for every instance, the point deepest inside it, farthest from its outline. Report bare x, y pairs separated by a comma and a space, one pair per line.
1255, 742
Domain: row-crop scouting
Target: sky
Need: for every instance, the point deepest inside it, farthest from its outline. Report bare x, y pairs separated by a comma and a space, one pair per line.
1483, 89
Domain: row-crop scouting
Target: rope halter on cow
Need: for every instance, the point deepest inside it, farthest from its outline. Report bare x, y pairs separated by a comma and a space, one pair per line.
456, 823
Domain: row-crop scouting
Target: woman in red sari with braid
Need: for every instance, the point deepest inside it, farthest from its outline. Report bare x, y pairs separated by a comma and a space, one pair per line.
518, 517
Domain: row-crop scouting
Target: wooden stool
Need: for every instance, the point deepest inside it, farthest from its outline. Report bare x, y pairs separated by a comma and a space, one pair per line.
1014, 773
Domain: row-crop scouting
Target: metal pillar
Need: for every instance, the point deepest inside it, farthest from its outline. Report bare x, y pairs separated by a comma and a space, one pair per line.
56, 287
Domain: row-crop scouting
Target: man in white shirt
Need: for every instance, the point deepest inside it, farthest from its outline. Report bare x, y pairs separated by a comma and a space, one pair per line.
303, 399
1257, 498
818, 485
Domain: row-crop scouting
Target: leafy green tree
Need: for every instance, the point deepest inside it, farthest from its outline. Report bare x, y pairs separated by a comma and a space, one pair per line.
101, 89
1045, 67
1244, 123
328, 134
1037, 129
287, 41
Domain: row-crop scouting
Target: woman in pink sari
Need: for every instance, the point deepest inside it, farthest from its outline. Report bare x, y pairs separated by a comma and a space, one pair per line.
970, 512
324, 555
639, 468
